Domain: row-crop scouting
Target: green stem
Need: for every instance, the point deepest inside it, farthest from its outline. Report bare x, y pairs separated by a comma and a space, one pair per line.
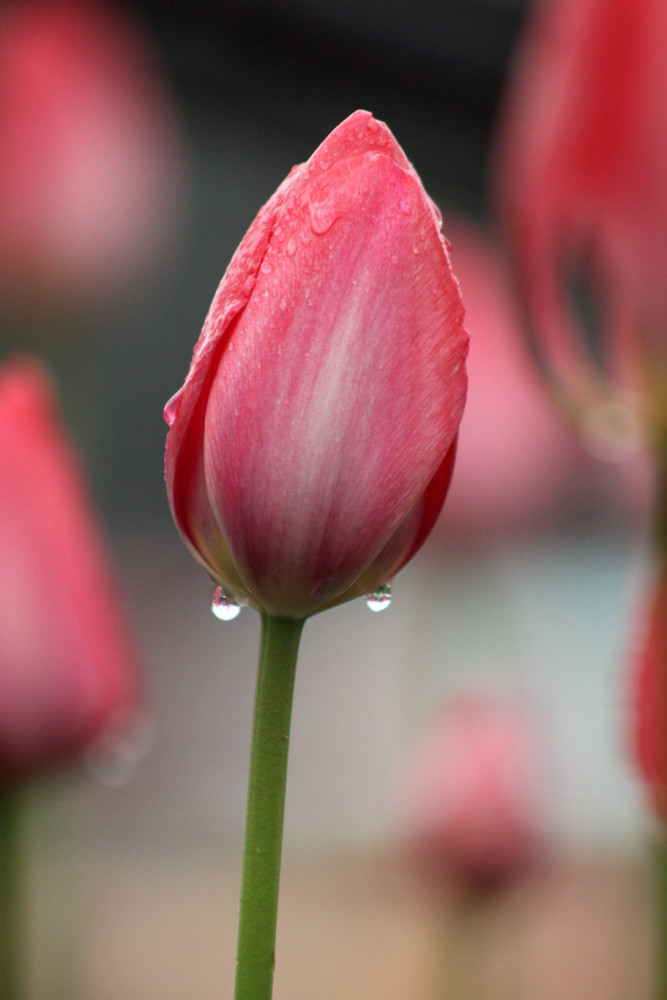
12, 912
255, 958
660, 902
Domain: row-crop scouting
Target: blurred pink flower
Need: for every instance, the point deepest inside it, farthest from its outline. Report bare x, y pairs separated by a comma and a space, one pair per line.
582, 184
67, 663
472, 804
89, 159
517, 466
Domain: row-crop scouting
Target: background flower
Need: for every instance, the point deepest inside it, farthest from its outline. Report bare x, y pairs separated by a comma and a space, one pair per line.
580, 172
473, 807
89, 155
68, 667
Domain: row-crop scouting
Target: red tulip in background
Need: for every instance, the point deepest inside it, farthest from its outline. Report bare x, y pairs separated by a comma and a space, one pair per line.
88, 151
471, 805
312, 444
67, 665
582, 179
650, 732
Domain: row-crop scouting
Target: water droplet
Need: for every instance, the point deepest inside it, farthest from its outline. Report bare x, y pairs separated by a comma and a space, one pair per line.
380, 598
172, 407
265, 267
291, 248
322, 218
405, 206
223, 605
112, 757
372, 125
415, 250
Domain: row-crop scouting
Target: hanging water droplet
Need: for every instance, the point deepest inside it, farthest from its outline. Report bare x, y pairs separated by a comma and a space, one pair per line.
112, 757
380, 598
171, 409
223, 606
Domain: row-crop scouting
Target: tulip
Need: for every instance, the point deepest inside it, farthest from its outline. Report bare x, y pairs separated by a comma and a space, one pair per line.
650, 701
67, 663
581, 170
311, 446
472, 810
89, 157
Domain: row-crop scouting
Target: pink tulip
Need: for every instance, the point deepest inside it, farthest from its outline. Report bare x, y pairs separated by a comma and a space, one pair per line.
67, 665
88, 153
582, 174
472, 809
312, 444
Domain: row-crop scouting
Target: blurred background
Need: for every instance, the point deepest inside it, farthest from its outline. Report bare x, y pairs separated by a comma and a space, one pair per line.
526, 591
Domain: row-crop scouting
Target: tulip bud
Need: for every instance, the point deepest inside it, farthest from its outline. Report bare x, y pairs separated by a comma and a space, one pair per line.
312, 444
67, 664
89, 155
471, 806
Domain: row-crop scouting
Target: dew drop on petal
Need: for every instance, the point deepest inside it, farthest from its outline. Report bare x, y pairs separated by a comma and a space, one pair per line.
223, 605
172, 407
321, 221
112, 757
380, 598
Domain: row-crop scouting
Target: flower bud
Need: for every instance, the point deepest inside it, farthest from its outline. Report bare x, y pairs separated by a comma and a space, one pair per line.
472, 809
90, 159
312, 444
67, 664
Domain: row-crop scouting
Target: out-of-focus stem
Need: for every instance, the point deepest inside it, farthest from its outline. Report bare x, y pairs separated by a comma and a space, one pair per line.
12, 897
